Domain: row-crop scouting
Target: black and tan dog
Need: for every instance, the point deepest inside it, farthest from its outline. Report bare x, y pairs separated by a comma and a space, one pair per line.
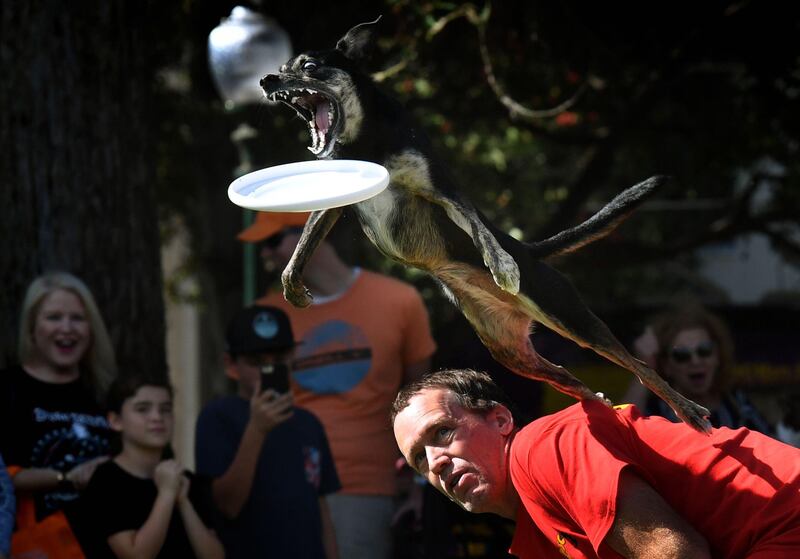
422, 221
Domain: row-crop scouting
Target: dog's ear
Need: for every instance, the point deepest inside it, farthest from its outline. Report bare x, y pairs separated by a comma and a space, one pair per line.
356, 43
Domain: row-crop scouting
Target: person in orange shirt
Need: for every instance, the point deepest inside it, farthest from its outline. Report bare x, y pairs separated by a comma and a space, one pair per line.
364, 336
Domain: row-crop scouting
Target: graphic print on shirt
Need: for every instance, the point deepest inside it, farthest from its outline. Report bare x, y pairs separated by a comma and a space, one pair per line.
312, 461
333, 358
67, 442
561, 541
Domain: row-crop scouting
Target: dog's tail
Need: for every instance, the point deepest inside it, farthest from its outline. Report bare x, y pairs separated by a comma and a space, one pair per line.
601, 223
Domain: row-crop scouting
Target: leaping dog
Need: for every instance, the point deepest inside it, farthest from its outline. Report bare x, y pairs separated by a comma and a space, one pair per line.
500, 284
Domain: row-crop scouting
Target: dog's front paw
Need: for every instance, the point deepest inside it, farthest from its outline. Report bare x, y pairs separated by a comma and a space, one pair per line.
299, 297
295, 292
505, 273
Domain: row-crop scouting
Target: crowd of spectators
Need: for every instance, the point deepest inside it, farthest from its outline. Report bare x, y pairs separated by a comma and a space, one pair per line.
299, 460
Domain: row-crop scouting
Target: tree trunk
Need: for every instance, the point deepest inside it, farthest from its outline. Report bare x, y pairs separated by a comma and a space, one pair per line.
77, 169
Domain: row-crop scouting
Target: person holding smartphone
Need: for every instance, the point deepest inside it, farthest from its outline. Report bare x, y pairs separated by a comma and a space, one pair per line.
271, 463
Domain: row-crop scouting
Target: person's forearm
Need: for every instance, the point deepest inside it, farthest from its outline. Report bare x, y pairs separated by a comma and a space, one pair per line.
328, 533
7, 507
148, 540
31, 480
204, 542
232, 489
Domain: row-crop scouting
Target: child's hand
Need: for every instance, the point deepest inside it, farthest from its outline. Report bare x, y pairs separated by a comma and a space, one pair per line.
183, 490
646, 347
269, 409
167, 477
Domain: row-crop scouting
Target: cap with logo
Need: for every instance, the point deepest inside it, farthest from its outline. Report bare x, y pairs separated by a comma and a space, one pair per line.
259, 329
267, 224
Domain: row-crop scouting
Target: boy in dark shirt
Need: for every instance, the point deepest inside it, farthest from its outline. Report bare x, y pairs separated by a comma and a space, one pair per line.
141, 504
271, 461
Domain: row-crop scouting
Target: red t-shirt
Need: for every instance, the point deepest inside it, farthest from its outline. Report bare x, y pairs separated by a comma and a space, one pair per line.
738, 488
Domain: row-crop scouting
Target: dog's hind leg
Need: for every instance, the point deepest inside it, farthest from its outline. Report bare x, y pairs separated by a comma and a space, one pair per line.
522, 359
316, 229
552, 301
504, 330
690, 412
591, 332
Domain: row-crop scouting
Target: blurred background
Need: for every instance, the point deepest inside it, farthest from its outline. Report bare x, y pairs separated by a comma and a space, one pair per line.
118, 147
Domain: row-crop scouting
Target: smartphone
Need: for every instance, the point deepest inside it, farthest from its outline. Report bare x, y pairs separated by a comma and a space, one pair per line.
276, 377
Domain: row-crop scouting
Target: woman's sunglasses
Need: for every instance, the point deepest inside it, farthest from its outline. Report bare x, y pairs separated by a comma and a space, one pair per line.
683, 355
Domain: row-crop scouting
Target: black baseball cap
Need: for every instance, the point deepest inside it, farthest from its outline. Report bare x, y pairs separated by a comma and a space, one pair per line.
259, 329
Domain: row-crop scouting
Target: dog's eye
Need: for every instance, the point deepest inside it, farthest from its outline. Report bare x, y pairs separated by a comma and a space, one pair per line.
310, 66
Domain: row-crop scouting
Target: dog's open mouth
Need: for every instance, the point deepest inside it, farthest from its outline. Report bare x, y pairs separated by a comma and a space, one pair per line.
319, 112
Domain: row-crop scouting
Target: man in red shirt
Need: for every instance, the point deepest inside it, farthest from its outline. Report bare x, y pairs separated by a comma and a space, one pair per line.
595, 481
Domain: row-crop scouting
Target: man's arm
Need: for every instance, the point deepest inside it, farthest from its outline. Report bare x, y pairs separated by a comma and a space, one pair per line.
231, 490
328, 533
646, 527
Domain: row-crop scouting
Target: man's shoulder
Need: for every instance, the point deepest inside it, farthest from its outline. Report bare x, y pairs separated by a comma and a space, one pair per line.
553, 424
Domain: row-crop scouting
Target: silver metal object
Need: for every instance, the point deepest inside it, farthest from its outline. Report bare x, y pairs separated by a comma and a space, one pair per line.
242, 49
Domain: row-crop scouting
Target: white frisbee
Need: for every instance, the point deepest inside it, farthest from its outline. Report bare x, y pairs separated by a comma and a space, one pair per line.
309, 185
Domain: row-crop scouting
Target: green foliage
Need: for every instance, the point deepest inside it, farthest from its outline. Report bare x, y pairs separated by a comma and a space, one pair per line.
696, 91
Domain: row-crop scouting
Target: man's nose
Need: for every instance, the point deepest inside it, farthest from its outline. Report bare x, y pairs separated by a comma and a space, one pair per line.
437, 460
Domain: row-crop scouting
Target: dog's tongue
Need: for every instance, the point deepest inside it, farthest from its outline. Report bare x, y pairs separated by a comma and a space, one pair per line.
321, 116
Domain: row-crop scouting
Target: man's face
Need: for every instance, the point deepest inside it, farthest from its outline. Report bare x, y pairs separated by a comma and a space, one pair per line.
277, 249
462, 453
247, 368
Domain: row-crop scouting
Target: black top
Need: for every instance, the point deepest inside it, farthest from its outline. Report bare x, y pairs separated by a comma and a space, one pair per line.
735, 411
281, 517
116, 501
47, 425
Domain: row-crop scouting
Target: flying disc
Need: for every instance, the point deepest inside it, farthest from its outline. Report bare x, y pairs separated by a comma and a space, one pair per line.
309, 185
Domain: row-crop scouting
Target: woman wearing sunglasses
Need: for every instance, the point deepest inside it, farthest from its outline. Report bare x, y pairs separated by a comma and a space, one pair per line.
693, 350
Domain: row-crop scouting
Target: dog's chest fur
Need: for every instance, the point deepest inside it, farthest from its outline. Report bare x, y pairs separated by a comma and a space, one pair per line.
400, 221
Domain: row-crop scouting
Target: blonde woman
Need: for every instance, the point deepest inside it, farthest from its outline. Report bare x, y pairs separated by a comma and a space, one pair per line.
54, 431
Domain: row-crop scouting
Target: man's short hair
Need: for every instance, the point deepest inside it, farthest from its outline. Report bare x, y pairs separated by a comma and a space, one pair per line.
473, 390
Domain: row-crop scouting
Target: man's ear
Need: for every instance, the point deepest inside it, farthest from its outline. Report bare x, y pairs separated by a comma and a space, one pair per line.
356, 43
503, 419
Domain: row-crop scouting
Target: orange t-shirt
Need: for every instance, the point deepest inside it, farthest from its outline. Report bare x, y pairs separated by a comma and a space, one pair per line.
349, 367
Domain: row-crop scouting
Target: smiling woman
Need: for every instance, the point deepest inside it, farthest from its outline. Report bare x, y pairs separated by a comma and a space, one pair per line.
52, 399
